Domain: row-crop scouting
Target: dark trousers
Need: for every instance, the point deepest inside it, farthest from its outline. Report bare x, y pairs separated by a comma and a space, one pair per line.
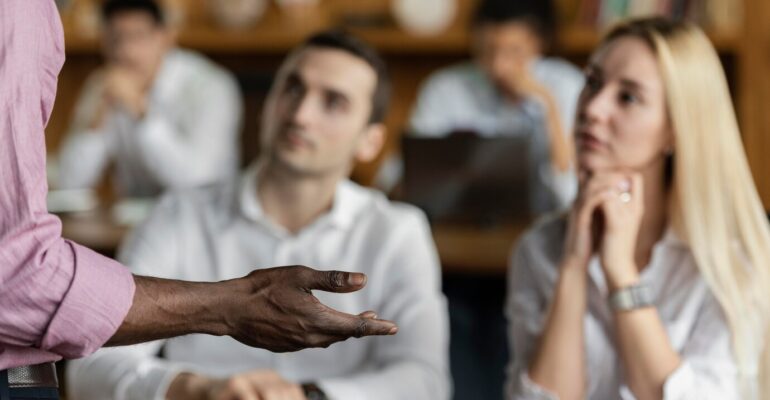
25, 393
478, 347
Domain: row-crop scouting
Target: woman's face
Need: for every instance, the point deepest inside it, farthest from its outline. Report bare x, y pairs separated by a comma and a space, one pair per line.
622, 120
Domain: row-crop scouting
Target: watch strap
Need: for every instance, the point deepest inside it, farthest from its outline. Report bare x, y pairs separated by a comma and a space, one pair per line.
631, 298
313, 392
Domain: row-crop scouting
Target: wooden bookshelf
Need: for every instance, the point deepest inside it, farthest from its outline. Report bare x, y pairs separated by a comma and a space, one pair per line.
280, 34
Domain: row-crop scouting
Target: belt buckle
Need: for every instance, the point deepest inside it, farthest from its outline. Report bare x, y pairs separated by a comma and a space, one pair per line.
40, 375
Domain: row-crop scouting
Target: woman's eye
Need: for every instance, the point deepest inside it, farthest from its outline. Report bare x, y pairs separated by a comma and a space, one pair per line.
294, 90
627, 98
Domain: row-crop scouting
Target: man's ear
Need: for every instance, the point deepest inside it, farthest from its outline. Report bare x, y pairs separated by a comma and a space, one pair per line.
371, 142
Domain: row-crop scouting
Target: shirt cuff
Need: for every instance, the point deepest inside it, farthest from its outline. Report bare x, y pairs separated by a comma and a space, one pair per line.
679, 384
152, 381
563, 184
525, 389
340, 389
98, 299
534, 107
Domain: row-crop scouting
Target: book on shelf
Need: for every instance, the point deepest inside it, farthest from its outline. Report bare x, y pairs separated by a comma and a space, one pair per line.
713, 15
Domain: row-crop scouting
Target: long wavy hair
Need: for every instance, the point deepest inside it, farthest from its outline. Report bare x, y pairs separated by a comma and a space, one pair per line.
714, 206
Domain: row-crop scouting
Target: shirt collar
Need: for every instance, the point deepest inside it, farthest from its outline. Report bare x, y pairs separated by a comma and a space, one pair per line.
348, 202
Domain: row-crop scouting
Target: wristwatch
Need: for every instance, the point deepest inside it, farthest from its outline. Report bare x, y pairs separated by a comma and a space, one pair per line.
631, 298
313, 392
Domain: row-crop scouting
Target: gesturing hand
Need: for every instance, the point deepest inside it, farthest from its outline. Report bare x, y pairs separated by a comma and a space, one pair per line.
275, 309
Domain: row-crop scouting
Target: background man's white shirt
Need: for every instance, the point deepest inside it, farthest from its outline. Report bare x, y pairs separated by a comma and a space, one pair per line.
221, 232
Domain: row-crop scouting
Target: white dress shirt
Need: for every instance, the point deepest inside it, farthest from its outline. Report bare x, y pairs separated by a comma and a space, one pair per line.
220, 232
693, 319
463, 98
189, 135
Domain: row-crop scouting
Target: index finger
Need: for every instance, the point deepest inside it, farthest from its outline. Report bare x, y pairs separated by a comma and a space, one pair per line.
337, 323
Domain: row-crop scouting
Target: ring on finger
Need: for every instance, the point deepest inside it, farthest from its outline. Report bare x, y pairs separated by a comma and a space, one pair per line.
624, 197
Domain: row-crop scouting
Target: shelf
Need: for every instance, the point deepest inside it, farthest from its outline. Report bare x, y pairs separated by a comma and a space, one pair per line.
280, 37
582, 40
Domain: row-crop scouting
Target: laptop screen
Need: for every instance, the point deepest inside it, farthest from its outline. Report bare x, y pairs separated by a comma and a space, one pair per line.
468, 179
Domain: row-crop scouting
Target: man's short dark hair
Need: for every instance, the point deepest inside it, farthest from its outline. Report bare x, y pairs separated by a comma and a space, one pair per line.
339, 40
110, 8
539, 15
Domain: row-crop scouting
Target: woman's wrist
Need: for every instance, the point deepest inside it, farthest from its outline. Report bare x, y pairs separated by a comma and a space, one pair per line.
621, 275
572, 284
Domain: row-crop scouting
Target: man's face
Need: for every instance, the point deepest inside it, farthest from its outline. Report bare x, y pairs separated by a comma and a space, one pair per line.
506, 50
316, 120
133, 40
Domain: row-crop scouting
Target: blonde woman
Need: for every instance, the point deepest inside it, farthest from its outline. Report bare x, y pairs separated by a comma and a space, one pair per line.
652, 286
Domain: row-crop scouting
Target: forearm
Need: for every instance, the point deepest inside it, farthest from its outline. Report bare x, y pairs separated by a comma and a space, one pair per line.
164, 308
646, 351
643, 343
560, 145
559, 363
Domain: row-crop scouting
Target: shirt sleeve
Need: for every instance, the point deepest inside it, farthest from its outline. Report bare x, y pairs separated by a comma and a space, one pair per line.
201, 149
565, 82
412, 364
59, 299
525, 310
708, 370
432, 113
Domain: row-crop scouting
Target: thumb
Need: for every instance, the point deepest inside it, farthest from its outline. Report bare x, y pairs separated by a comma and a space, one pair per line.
333, 281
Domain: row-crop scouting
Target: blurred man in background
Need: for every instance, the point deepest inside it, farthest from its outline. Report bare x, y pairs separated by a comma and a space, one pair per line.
162, 116
295, 205
511, 88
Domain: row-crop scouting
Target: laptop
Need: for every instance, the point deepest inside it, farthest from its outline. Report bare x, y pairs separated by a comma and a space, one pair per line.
467, 179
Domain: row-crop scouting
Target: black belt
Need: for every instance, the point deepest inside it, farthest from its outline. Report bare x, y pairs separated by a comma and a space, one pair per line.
29, 382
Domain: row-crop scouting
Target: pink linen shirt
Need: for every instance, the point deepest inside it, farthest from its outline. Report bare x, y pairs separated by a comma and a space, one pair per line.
57, 299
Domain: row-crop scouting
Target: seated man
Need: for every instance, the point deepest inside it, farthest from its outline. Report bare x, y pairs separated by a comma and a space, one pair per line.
510, 89
295, 205
165, 117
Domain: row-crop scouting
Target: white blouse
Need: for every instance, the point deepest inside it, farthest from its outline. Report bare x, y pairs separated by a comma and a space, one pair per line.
693, 319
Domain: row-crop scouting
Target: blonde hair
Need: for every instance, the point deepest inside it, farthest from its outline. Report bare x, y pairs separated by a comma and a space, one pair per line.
715, 206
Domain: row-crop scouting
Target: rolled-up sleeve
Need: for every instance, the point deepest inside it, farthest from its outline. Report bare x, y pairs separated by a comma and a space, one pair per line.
58, 299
